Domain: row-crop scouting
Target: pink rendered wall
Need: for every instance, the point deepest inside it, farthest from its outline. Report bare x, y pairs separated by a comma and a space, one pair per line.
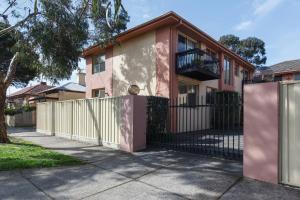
261, 132
133, 123
166, 48
163, 62
102, 79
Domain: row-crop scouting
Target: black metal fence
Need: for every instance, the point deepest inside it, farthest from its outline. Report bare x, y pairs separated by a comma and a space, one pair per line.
210, 124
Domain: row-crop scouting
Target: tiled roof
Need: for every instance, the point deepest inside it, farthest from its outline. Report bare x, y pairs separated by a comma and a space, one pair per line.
169, 18
74, 87
286, 66
31, 90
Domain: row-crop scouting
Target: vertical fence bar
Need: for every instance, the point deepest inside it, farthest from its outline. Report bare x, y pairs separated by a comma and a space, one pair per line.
201, 113
228, 121
233, 124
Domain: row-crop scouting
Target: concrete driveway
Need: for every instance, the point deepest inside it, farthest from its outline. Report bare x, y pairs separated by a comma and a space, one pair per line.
151, 174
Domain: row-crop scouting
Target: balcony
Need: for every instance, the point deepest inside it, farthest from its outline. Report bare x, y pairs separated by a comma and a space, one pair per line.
197, 64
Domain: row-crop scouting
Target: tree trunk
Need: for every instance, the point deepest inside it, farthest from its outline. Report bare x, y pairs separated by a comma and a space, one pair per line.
3, 130
4, 84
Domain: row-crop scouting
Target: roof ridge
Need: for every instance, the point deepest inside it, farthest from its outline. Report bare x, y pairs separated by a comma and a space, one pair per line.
295, 60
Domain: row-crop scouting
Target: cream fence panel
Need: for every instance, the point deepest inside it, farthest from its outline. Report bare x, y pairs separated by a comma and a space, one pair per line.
290, 133
44, 118
92, 120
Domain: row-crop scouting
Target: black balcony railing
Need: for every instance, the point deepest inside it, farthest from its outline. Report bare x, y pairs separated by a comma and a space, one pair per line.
197, 64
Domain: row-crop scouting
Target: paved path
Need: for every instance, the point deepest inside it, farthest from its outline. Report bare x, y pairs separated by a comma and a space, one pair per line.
152, 174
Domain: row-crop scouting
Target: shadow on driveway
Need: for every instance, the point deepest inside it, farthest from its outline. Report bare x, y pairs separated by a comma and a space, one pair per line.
150, 174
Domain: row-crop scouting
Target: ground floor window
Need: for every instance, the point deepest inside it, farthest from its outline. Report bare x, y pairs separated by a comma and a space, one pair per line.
98, 93
189, 93
210, 98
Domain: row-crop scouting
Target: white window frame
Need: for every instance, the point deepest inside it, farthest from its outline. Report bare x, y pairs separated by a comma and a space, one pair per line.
98, 67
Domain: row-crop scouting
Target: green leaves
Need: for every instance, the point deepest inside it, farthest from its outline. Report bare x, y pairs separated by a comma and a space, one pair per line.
28, 60
252, 49
51, 39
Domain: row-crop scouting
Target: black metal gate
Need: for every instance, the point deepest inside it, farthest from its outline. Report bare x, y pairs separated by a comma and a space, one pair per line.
210, 125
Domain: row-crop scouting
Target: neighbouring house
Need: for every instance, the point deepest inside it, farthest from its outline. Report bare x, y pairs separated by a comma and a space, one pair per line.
23, 96
63, 92
167, 56
287, 70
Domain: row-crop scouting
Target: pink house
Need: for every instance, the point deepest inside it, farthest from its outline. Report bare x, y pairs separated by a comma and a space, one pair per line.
167, 56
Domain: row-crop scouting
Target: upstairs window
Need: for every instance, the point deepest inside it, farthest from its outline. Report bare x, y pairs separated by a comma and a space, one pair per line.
185, 43
98, 63
227, 71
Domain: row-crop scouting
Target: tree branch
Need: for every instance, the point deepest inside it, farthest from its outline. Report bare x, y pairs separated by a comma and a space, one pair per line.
9, 6
86, 3
11, 70
8, 29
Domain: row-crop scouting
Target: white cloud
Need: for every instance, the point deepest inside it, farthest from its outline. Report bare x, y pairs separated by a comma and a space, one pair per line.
146, 16
244, 25
263, 7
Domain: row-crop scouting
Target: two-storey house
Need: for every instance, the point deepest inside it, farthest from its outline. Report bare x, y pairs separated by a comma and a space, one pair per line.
167, 56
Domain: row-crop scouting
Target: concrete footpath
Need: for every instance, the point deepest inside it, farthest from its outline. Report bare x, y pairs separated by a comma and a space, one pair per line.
151, 174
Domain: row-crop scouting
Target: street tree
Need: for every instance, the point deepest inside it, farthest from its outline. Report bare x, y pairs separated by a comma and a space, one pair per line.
252, 49
42, 38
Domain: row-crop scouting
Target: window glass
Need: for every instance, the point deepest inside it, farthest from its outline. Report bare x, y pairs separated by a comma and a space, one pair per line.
182, 88
190, 44
210, 98
297, 77
181, 43
99, 93
185, 43
99, 63
190, 92
227, 71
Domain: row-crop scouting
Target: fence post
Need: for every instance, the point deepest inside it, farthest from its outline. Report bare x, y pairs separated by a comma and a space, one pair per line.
52, 116
261, 132
133, 123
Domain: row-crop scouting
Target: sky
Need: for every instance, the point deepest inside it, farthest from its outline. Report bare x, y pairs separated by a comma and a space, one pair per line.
276, 22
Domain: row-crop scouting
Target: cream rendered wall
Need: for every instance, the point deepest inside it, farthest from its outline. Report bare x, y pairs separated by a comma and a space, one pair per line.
194, 115
202, 84
134, 62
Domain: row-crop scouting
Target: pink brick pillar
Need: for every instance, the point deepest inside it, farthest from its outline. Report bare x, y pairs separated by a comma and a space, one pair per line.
261, 132
133, 123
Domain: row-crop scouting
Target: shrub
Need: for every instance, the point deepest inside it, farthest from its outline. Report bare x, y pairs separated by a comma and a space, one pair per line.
28, 108
11, 111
